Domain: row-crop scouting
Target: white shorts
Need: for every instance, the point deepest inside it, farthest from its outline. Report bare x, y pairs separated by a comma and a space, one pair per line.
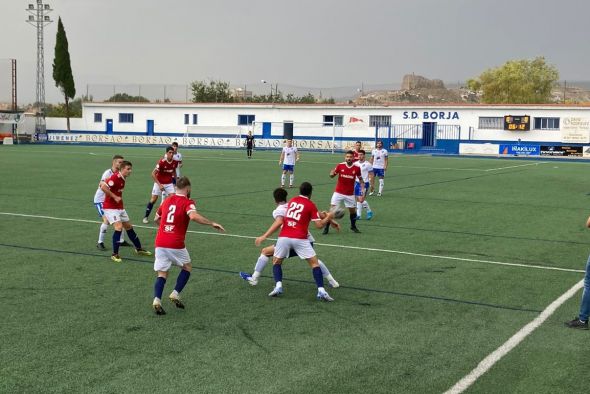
116, 215
302, 247
168, 190
349, 201
166, 257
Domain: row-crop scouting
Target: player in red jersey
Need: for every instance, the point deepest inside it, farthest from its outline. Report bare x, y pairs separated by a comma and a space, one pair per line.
175, 214
300, 212
347, 174
357, 150
163, 176
115, 213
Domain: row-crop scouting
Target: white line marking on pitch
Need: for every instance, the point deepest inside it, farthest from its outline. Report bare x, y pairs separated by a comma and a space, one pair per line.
519, 165
510, 344
431, 256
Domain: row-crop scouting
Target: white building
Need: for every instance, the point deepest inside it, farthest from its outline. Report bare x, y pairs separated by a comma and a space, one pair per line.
435, 128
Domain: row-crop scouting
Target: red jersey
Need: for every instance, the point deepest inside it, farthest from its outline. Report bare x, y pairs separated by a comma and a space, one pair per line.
165, 171
116, 184
174, 223
355, 156
346, 177
300, 211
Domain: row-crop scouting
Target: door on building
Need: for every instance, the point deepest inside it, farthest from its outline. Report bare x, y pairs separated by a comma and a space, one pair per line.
150, 127
109, 124
266, 129
428, 133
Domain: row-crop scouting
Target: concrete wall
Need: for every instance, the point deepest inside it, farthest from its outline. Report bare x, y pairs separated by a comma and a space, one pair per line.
222, 119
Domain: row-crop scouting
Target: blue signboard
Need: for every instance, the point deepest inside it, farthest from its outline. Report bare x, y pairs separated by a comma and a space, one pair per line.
520, 150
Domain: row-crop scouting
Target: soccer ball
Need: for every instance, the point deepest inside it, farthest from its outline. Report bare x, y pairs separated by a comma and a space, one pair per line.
338, 212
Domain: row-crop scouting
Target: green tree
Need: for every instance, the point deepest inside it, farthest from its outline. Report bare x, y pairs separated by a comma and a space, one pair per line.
126, 98
62, 69
212, 92
59, 111
517, 82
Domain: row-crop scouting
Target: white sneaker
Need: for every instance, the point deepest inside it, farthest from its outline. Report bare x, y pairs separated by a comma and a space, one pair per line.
248, 278
145, 220
324, 296
371, 193
276, 292
333, 283
378, 194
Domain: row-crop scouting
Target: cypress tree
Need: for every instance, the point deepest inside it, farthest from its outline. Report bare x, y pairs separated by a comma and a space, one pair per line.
62, 69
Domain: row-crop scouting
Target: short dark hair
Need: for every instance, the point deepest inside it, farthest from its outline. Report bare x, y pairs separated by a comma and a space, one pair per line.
358, 142
183, 182
362, 151
175, 144
305, 189
349, 152
126, 163
280, 194
116, 157
169, 148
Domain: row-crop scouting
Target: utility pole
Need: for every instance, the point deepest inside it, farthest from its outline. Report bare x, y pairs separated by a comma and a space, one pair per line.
39, 18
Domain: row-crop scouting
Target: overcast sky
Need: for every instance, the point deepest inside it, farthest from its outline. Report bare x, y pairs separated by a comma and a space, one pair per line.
315, 43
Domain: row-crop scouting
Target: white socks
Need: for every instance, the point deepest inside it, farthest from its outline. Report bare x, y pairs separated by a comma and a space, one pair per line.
260, 264
381, 186
103, 232
291, 179
283, 180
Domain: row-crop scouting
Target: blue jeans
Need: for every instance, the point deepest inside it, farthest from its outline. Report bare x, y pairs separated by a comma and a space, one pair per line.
585, 307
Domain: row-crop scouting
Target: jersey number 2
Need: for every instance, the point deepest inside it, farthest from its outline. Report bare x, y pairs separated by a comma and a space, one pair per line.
170, 216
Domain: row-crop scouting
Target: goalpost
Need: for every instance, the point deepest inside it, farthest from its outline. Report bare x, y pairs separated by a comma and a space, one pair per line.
306, 135
225, 136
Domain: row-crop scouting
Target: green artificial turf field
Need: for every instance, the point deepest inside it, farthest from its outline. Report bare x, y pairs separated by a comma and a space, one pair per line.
424, 293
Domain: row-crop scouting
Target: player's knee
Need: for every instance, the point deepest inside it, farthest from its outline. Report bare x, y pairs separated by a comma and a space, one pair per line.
268, 251
187, 267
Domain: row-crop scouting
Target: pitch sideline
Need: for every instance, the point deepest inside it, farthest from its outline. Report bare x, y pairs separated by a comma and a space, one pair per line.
492, 358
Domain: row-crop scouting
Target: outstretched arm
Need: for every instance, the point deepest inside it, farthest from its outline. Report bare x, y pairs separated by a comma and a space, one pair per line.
326, 219
273, 227
197, 217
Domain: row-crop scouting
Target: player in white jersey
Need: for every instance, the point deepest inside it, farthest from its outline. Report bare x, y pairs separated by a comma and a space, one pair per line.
367, 175
280, 196
289, 156
177, 157
379, 161
99, 200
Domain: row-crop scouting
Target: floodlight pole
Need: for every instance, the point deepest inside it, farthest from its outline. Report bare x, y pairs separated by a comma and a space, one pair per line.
39, 18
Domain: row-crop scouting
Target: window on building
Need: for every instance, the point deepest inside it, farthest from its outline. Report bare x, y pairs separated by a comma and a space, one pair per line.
186, 118
246, 120
333, 120
125, 118
195, 119
97, 117
547, 123
379, 120
491, 123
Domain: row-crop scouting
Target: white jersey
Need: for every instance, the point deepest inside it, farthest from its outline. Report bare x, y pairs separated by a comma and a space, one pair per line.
177, 157
99, 195
281, 211
379, 156
365, 167
289, 155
